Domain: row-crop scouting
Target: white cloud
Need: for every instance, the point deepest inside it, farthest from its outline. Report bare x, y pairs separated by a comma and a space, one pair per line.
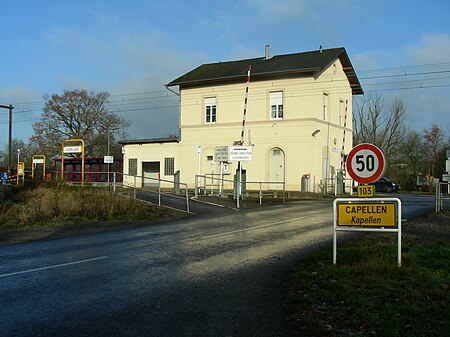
431, 49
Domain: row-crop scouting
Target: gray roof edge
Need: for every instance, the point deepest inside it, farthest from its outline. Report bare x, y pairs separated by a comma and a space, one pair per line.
149, 141
254, 76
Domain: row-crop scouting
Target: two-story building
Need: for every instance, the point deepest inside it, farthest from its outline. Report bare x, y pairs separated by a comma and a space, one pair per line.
298, 120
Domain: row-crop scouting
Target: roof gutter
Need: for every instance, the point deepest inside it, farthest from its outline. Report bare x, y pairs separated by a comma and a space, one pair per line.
167, 87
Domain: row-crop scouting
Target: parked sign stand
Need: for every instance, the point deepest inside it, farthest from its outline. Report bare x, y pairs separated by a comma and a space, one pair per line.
226, 154
366, 164
367, 215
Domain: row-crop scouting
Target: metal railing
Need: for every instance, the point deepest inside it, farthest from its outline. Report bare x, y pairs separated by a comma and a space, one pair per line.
208, 184
119, 182
155, 185
442, 195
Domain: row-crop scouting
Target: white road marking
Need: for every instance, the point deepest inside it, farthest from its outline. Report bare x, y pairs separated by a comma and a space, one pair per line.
53, 266
253, 228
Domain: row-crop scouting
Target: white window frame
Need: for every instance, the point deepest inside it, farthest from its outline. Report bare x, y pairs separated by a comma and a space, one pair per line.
325, 105
210, 110
276, 105
341, 111
132, 166
169, 166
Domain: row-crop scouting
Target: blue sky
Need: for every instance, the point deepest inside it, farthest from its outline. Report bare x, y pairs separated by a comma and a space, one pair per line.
132, 48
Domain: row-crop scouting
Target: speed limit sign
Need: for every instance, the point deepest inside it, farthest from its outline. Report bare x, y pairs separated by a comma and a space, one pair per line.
366, 163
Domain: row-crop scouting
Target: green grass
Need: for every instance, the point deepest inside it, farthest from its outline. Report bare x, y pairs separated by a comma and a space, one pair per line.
367, 294
51, 204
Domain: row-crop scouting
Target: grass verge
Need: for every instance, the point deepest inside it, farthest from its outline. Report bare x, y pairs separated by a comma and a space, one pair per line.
51, 204
367, 294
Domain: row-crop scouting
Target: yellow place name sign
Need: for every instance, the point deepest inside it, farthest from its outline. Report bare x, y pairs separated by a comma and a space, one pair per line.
368, 214
366, 191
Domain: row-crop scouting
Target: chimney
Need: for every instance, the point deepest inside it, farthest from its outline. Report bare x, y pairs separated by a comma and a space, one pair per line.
267, 52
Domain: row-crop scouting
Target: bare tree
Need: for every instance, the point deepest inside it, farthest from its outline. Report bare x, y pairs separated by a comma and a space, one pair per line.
435, 149
373, 123
19, 150
77, 114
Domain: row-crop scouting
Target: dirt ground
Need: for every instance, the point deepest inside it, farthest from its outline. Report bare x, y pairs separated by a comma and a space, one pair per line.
434, 226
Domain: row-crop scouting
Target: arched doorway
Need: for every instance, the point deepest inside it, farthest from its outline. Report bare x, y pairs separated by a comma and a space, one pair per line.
276, 167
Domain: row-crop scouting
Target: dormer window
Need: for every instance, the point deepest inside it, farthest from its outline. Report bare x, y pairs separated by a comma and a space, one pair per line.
276, 105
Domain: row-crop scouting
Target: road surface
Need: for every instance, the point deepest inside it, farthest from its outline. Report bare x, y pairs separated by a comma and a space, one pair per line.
218, 274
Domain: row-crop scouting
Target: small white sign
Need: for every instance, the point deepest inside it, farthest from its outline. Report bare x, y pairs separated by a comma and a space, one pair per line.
221, 153
108, 159
38, 161
240, 153
72, 149
446, 177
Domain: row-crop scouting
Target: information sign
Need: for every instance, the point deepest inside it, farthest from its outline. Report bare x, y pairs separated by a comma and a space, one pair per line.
366, 191
376, 215
108, 159
366, 163
72, 149
366, 214
240, 153
221, 153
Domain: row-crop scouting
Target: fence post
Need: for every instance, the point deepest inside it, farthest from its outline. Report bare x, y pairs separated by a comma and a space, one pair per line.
260, 194
114, 181
196, 187
134, 188
187, 199
204, 184
159, 191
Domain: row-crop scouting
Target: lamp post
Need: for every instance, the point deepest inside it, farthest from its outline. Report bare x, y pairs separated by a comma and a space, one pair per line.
10, 108
18, 161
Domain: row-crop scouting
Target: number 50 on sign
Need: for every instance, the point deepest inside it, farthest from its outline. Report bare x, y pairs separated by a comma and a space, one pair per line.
366, 163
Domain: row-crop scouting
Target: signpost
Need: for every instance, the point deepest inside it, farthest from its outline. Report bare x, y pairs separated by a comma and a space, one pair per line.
73, 149
366, 164
38, 159
225, 154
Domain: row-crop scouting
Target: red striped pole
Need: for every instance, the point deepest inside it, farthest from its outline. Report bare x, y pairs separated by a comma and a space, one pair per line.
245, 104
343, 141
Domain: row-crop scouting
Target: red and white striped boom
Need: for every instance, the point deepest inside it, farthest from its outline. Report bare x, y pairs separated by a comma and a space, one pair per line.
245, 104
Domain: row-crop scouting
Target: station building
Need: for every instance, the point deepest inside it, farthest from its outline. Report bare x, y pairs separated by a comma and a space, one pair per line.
298, 121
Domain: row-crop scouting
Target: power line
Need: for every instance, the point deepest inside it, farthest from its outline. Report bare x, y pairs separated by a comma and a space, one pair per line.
161, 99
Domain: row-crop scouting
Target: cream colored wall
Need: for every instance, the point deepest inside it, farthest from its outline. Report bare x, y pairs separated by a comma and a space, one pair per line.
302, 115
149, 153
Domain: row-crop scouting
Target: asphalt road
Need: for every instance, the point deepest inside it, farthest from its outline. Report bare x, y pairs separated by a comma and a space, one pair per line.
216, 274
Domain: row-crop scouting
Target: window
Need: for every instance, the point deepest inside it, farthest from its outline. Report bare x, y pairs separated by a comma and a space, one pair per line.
325, 106
169, 166
210, 110
341, 110
276, 105
132, 167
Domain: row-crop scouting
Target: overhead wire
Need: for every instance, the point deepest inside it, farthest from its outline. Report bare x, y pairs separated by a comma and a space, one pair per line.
130, 102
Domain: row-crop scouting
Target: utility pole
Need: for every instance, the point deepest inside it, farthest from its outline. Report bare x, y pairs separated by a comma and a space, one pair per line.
10, 108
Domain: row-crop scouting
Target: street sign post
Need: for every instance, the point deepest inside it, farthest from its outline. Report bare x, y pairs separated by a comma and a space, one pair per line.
359, 215
366, 164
